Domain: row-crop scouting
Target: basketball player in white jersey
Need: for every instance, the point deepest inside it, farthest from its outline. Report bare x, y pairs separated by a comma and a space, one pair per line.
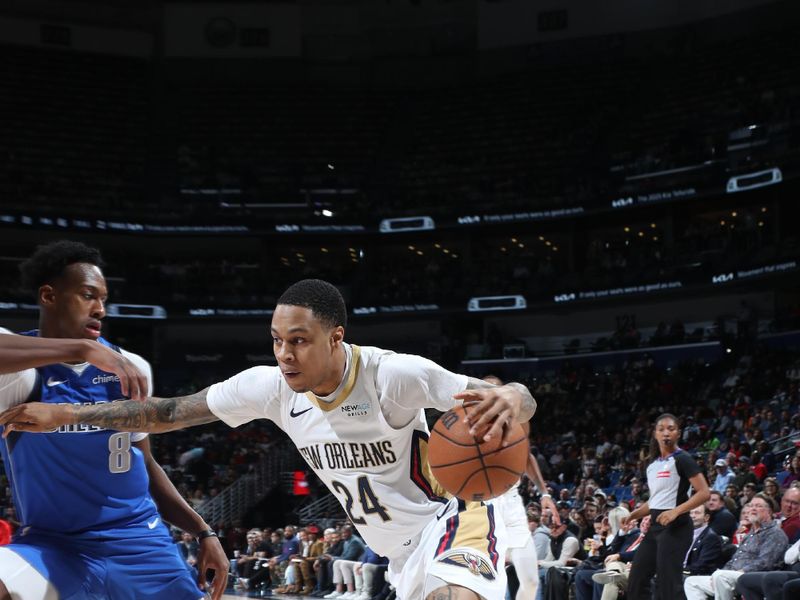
357, 417
521, 550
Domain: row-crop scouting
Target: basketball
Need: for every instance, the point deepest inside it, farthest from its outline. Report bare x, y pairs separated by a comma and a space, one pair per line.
472, 469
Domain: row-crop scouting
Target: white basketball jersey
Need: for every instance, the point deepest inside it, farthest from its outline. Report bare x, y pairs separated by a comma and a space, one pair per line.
379, 473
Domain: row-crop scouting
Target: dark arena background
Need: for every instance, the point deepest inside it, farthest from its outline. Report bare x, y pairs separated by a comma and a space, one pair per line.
597, 199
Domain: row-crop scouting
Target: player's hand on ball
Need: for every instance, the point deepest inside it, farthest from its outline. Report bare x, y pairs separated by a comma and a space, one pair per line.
496, 408
35, 417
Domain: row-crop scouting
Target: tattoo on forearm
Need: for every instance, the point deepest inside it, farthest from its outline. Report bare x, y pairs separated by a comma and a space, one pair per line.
155, 414
528, 408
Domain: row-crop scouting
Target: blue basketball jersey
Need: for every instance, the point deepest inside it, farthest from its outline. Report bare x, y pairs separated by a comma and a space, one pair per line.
76, 479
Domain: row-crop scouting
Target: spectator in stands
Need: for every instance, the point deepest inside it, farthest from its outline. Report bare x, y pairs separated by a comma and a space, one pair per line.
767, 456
256, 550
743, 475
310, 553
758, 467
188, 547
599, 549
705, 552
333, 544
293, 576
731, 499
638, 494
564, 547
772, 489
721, 520
773, 585
790, 514
794, 472
371, 572
290, 546
724, 476
761, 550
541, 534
748, 493
614, 577
275, 543
352, 551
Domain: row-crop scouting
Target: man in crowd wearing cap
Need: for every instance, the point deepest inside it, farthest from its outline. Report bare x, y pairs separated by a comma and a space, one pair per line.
724, 476
721, 519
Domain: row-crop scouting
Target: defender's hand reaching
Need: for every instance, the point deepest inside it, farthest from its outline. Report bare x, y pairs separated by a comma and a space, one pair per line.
35, 417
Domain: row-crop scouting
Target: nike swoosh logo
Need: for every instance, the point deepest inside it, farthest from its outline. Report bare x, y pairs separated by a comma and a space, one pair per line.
297, 414
152, 524
51, 382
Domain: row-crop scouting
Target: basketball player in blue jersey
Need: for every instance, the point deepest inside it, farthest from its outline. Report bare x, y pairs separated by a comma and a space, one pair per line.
357, 416
87, 496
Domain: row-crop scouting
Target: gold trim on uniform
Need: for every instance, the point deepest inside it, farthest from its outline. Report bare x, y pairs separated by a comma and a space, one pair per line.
348, 386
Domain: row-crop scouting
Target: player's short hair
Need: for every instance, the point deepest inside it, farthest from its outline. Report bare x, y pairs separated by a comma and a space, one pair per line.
324, 300
49, 261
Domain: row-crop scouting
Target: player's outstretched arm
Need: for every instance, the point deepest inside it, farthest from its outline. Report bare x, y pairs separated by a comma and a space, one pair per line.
154, 415
497, 406
20, 352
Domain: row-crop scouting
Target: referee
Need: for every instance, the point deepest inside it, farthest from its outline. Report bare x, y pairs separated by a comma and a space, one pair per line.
664, 548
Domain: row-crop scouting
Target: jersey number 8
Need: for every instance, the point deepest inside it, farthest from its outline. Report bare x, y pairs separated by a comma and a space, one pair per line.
119, 452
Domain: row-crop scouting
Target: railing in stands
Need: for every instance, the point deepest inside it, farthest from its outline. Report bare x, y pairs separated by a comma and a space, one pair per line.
324, 508
231, 503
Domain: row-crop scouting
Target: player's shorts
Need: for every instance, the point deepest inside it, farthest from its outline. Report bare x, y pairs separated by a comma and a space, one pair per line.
464, 545
510, 508
137, 562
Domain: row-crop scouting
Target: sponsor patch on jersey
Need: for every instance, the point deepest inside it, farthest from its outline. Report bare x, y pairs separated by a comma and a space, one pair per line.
474, 563
355, 410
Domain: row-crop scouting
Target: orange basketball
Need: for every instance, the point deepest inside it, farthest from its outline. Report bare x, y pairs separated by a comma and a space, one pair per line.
472, 469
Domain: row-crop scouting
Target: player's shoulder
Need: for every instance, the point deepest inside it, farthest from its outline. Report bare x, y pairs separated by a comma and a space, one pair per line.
371, 354
137, 359
262, 377
390, 361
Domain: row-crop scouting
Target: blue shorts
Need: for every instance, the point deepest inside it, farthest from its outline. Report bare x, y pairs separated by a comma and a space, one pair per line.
135, 562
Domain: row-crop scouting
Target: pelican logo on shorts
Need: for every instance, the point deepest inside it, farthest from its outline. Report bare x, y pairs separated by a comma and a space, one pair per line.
475, 563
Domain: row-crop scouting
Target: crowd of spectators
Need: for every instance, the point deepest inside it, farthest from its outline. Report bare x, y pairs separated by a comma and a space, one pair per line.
309, 561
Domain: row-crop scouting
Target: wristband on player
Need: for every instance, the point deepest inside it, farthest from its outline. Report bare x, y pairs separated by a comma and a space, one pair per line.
545, 496
206, 534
